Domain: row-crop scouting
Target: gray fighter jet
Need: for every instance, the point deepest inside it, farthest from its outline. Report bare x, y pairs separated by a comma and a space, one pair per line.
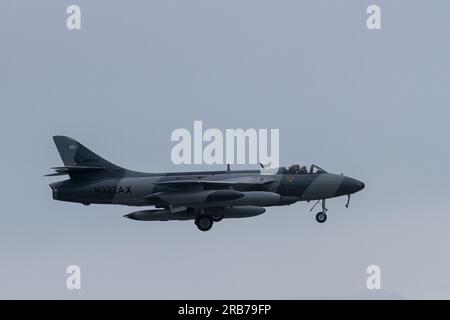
203, 196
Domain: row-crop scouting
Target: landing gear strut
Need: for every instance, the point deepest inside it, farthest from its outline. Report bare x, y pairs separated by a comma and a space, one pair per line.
204, 222
348, 201
321, 217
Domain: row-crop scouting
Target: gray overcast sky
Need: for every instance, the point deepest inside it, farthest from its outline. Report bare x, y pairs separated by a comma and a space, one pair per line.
371, 104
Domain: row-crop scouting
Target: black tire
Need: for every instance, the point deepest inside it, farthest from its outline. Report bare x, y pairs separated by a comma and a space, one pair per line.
217, 218
204, 222
321, 217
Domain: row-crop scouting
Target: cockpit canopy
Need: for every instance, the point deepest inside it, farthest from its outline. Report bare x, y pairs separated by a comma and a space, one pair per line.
297, 169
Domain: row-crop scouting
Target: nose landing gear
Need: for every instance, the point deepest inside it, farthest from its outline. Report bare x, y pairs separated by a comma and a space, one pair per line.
321, 216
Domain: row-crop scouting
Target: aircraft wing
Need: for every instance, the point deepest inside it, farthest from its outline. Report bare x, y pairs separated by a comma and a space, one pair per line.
212, 193
239, 181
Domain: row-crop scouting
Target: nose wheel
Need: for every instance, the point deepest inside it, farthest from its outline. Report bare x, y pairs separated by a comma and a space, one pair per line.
321, 217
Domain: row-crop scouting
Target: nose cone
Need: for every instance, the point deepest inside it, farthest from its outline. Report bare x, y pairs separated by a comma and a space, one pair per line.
349, 186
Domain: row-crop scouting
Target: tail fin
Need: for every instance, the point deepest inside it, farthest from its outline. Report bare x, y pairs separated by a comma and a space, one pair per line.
74, 154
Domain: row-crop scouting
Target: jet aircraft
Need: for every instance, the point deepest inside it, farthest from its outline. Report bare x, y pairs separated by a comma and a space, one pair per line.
203, 196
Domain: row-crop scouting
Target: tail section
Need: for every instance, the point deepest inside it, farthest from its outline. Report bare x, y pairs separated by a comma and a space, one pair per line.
74, 154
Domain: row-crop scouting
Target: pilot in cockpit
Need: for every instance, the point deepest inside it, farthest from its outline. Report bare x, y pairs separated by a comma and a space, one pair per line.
296, 169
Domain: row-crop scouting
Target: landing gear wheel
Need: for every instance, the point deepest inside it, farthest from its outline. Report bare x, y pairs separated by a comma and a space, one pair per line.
217, 218
204, 222
321, 217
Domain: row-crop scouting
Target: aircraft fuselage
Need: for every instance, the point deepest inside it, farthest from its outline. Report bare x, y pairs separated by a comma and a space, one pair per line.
132, 190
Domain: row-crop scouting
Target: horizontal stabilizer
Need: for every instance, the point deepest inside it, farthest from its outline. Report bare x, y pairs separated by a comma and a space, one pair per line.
55, 174
73, 170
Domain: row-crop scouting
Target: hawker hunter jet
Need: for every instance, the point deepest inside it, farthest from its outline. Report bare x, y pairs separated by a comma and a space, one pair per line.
203, 196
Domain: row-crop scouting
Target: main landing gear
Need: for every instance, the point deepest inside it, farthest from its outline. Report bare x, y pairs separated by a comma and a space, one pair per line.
204, 222
321, 216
